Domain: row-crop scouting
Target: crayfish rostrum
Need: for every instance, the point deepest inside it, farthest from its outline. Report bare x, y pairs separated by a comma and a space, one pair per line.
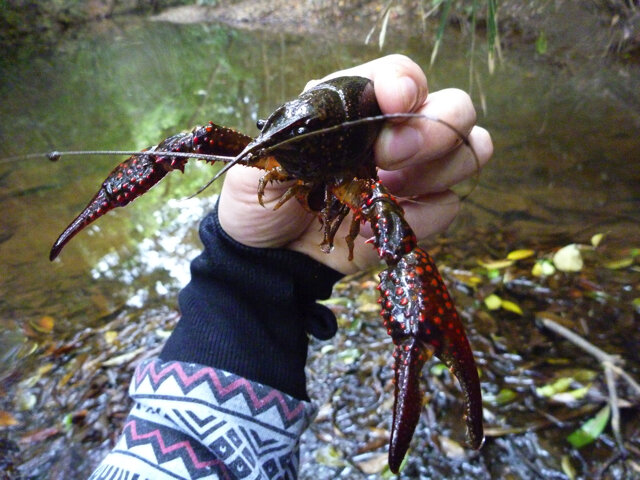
324, 141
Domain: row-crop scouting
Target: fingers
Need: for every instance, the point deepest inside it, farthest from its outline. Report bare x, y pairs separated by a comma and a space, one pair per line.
442, 173
427, 214
450, 114
245, 220
399, 82
431, 214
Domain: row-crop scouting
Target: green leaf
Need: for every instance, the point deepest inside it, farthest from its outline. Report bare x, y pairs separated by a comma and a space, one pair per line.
503, 397
492, 33
560, 385
330, 456
493, 302
591, 429
349, 355
438, 369
541, 43
444, 18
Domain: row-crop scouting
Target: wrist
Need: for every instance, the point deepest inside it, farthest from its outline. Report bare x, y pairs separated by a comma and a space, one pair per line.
247, 310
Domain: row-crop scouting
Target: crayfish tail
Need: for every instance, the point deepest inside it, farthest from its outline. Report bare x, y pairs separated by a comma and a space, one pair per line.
410, 356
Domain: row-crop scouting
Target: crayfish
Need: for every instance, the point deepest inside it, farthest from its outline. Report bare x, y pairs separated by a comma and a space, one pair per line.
324, 141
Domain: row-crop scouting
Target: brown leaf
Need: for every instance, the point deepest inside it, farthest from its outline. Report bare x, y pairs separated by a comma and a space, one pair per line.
43, 324
7, 420
39, 435
373, 464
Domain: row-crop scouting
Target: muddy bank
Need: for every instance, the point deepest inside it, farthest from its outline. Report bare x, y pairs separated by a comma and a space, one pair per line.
565, 31
40, 23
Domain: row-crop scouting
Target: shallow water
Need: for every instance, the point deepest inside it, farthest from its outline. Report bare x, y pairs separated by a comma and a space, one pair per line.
565, 165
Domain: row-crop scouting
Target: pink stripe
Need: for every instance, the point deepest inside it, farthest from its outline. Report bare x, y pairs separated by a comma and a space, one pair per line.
240, 383
171, 448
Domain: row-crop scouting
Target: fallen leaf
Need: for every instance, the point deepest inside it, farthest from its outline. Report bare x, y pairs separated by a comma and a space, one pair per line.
493, 302
373, 464
124, 358
349, 355
330, 456
495, 264
7, 420
591, 429
568, 259
558, 386
503, 397
369, 308
567, 467
110, 336
572, 395
619, 263
43, 324
597, 239
520, 254
543, 268
511, 307
39, 435
344, 301
25, 401
451, 448
467, 278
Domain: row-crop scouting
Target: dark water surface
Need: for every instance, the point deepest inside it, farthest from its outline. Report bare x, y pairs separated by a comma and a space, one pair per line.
566, 164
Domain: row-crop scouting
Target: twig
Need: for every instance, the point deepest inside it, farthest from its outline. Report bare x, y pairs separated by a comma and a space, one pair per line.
609, 364
576, 339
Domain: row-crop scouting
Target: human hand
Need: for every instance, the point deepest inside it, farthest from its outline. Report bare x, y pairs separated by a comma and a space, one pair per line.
417, 158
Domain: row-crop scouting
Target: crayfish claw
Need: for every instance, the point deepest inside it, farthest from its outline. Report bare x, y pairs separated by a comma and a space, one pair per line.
443, 330
422, 320
410, 356
126, 182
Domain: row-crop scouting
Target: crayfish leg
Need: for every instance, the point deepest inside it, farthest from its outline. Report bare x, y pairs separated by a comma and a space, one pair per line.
276, 174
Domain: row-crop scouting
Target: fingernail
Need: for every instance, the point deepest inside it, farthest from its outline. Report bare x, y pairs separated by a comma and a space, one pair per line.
408, 92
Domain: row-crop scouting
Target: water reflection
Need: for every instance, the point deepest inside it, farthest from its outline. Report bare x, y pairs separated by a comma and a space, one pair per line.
170, 249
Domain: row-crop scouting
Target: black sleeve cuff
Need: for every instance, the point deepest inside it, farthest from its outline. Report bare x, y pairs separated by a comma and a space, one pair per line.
248, 310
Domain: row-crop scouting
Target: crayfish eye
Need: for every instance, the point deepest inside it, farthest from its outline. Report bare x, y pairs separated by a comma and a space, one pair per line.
260, 123
301, 131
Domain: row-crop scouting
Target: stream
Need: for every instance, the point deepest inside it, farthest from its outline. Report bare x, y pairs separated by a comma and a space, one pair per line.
565, 168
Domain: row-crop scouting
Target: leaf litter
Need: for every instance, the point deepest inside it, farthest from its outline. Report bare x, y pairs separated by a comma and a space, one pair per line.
65, 403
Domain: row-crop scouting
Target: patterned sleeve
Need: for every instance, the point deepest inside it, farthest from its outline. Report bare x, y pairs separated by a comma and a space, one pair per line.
190, 421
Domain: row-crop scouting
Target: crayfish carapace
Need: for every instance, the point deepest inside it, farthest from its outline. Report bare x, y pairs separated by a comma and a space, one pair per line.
324, 141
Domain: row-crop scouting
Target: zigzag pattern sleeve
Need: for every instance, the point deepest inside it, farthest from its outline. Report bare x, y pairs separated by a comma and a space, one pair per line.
195, 422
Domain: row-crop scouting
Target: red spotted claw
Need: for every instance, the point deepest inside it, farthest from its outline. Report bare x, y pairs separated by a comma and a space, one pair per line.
139, 173
417, 312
